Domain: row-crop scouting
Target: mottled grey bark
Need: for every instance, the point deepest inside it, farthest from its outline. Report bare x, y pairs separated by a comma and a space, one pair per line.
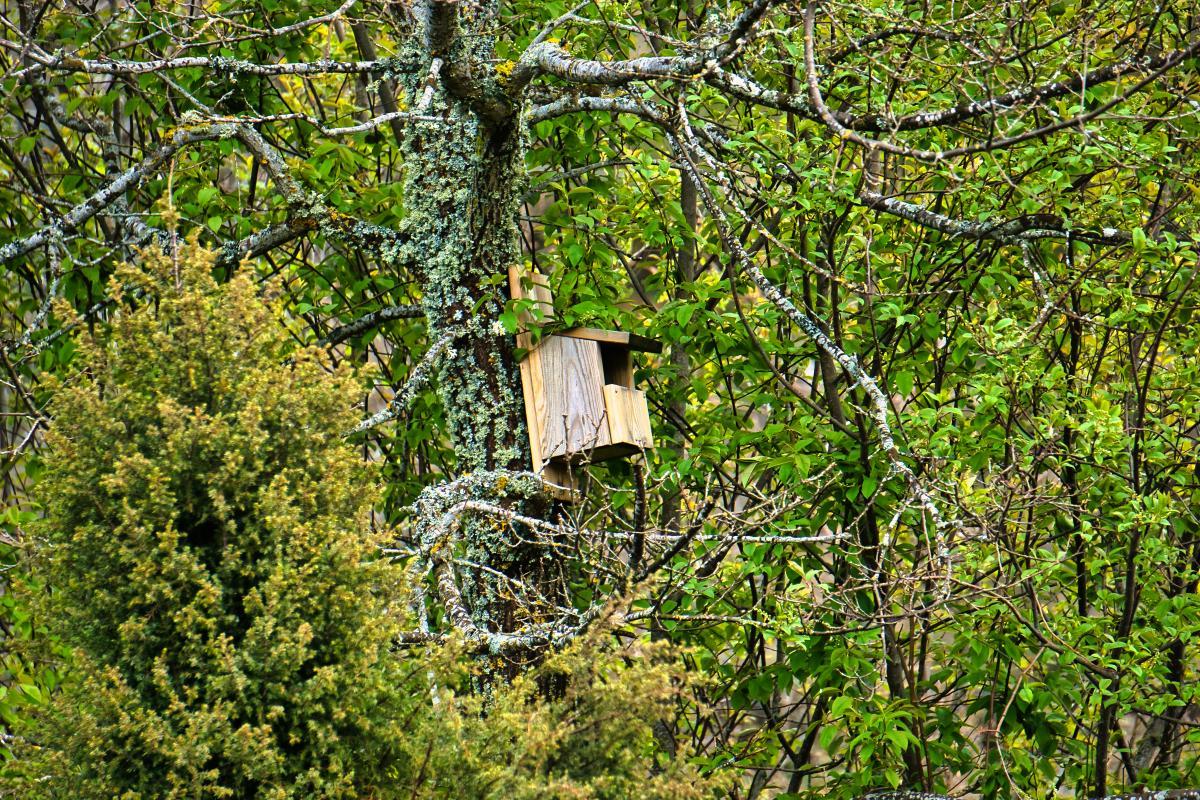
464, 177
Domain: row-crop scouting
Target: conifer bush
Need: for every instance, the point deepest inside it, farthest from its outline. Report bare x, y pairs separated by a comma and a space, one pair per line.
593, 740
207, 538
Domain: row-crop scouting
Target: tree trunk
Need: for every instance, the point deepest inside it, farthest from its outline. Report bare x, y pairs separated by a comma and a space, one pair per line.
463, 181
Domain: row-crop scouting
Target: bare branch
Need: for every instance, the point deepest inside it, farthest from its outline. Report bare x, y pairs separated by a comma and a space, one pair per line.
554, 24
832, 121
551, 59
231, 66
1012, 231
332, 16
257, 244
362, 127
1137, 65
546, 57
536, 189
304, 208
416, 381
113, 190
369, 321
229, 255
435, 69
43, 311
387, 86
577, 103
880, 406
617, 105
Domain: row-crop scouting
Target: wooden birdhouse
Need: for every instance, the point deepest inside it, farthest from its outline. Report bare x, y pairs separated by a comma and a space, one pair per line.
580, 401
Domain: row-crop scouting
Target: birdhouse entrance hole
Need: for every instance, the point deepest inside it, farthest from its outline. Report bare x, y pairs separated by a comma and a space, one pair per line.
618, 365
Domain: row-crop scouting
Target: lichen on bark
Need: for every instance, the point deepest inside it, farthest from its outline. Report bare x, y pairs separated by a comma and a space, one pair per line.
464, 176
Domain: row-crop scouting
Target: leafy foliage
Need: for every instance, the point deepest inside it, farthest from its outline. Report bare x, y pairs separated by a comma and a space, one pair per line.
1046, 390
208, 543
587, 724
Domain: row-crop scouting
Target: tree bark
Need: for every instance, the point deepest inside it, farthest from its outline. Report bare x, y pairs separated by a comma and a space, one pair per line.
464, 178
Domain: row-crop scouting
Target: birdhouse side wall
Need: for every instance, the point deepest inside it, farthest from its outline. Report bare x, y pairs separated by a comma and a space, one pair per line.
628, 417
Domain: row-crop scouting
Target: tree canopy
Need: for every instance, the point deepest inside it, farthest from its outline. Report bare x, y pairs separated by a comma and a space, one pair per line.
921, 505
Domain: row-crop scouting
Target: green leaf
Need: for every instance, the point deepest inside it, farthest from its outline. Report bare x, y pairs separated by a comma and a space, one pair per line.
510, 321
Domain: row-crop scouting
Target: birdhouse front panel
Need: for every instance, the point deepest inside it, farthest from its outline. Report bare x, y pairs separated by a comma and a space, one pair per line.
569, 396
573, 412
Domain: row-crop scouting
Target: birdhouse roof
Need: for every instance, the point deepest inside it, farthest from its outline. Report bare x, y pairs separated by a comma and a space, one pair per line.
630, 341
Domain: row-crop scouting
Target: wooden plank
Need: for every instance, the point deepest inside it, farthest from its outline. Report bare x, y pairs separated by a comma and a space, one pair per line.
630, 340
598, 335
644, 344
539, 291
563, 481
531, 418
525, 341
567, 381
544, 297
628, 417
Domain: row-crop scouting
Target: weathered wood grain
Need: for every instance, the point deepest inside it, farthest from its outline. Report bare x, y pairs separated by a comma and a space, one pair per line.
628, 417
568, 397
630, 340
